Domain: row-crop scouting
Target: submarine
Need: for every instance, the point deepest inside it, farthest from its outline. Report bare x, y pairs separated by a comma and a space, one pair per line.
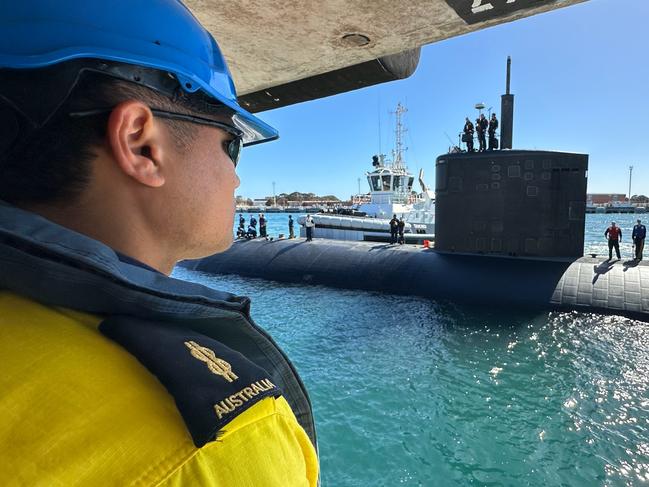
509, 231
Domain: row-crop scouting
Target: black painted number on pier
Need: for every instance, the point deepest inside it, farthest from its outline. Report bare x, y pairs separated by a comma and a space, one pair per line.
473, 11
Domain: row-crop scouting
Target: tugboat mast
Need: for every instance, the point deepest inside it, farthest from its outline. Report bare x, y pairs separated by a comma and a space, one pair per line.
398, 162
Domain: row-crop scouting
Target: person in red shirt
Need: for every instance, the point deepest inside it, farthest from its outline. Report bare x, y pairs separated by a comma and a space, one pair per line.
614, 236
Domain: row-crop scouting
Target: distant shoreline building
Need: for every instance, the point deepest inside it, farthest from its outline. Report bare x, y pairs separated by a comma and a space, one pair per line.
605, 198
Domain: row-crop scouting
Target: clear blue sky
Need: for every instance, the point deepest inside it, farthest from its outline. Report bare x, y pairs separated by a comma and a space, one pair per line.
580, 75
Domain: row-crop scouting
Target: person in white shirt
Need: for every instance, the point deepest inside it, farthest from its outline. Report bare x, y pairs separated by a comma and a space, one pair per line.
309, 224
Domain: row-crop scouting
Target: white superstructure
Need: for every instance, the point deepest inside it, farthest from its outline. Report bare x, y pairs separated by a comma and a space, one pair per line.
390, 194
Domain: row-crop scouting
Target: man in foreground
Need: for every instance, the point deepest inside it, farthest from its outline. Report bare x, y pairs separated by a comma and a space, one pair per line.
118, 148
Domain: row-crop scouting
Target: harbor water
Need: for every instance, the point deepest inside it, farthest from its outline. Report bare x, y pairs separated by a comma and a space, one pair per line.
408, 391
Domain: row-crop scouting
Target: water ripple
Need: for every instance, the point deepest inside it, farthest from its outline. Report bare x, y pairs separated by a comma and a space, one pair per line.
412, 392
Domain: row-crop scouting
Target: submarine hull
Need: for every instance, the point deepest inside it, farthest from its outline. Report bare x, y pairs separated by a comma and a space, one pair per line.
585, 284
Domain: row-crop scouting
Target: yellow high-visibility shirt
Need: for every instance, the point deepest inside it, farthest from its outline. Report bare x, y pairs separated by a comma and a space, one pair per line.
77, 409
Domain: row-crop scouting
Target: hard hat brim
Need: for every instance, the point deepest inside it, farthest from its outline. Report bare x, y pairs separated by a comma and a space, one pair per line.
176, 43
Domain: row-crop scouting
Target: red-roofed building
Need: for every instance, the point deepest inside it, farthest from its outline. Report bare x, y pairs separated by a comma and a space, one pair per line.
605, 198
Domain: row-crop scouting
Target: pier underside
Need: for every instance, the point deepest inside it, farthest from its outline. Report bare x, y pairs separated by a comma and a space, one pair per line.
288, 52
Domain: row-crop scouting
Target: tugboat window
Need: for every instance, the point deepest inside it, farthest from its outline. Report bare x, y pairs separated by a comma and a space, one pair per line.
397, 183
386, 183
375, 183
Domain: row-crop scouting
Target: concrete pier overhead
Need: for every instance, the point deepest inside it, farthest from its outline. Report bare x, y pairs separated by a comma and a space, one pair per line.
585, 284
281, 53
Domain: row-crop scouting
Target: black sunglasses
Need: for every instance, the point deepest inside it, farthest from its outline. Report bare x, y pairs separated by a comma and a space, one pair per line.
232, 147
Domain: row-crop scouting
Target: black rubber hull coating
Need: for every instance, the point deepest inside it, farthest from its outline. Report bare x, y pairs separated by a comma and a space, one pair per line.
408, 270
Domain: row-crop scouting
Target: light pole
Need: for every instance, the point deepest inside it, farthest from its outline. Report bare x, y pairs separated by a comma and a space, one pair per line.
630, 174
274, 198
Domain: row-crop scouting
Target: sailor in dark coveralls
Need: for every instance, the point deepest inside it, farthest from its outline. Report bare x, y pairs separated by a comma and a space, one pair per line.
241, 231
614, 236
291, 233
401, 226
638, 236
468, 135
481, 127
493, 126
394, 229
262, 225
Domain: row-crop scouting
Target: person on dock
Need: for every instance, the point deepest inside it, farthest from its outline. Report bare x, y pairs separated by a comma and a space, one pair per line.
394, 229
493, 126
481, 127
121, 133
242, 220
262, 226
291, 232
638, 236
614, 236
467, 135
309, 224
401, 226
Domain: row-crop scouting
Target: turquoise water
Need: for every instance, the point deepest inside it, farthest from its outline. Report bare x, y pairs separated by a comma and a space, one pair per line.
408, 391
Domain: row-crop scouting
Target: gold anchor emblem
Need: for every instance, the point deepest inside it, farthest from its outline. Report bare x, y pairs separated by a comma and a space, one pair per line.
216, 365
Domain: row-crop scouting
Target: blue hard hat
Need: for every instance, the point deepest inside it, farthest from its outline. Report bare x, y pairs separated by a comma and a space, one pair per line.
158, 34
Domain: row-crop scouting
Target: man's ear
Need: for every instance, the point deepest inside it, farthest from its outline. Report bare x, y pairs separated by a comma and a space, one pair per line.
136, 142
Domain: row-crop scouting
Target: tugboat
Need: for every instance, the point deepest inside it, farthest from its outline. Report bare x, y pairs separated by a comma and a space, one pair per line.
390, 194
